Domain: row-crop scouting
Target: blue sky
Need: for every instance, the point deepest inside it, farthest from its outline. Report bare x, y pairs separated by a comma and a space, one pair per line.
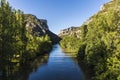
60, 14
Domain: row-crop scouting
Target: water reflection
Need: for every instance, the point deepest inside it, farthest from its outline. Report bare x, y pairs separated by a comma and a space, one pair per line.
16, 71
56, 66
59, 67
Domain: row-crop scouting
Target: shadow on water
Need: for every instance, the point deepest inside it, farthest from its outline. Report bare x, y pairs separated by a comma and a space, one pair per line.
15, 71
55, 66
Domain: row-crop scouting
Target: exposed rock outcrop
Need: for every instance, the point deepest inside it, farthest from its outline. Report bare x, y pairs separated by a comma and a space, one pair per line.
113, 4
70, 31
39, 27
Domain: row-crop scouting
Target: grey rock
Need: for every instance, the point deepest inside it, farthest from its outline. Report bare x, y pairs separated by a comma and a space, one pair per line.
70, 31
39, 27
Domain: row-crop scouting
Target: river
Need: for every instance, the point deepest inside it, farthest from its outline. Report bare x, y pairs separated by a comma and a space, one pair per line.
60, 66
57, 65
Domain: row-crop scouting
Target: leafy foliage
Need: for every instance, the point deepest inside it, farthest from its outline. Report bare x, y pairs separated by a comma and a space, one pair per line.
16, 44
99, 45
70, 42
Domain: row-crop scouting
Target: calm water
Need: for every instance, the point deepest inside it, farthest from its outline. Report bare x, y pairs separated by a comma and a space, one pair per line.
54, 66
58, 67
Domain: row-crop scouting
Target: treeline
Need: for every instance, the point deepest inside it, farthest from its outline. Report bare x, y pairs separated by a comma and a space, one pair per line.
71, 43
99, 47
16, 43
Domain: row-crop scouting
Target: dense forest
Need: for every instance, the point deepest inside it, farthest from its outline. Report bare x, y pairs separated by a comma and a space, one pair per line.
67, 41
16, 43
99, 45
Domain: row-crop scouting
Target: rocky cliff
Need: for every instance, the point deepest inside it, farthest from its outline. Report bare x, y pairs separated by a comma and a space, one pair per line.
70, 31
99, 46
113, 4
39, 27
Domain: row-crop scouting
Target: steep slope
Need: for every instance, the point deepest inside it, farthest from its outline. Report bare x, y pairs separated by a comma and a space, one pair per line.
99, 44
70, 39
39, 27
70, 31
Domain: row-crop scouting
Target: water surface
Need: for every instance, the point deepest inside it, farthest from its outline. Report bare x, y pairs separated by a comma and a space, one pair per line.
59, 66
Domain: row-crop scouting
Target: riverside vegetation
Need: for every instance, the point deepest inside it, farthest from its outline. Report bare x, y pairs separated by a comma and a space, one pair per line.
17, 45
98, 46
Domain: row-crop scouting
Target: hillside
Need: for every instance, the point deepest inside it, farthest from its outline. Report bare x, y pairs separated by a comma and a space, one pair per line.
39, 27
99, 44
23, 37
70, 31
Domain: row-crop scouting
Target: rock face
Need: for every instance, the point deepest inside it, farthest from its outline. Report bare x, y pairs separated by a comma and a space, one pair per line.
70, 31
39, 27
103, 9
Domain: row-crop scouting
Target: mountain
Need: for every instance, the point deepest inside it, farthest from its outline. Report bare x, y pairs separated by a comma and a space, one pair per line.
39, 27
70, 31
99, 43
113, 4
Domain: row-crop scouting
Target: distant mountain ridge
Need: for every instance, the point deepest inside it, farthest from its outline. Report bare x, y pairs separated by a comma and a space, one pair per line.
70, 31
39, 27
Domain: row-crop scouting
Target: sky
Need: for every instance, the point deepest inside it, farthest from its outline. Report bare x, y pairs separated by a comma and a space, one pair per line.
60, 14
